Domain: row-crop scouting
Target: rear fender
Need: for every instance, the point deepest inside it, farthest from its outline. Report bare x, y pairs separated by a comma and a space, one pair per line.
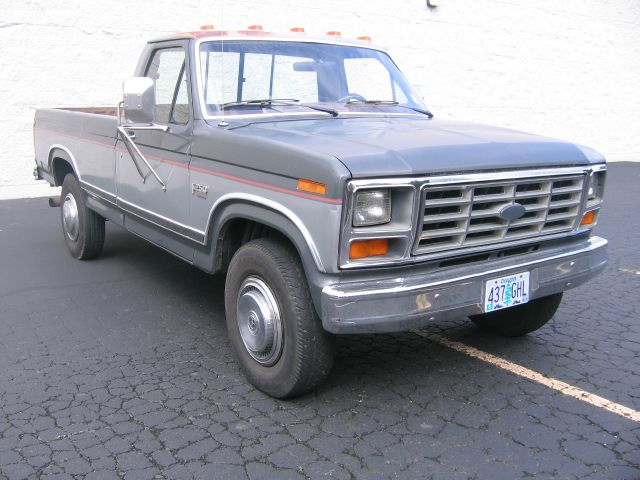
59, 153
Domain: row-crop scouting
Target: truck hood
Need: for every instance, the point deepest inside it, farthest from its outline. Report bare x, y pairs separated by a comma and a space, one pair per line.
399, 146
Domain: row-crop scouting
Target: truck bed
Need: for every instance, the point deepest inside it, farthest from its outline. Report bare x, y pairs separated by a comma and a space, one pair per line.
84, 136
110, 111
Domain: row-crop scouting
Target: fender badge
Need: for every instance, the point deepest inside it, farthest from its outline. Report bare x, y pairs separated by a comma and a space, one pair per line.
199, 190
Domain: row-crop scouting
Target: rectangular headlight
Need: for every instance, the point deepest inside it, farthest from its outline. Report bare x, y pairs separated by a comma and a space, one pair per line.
372, 207
596, 185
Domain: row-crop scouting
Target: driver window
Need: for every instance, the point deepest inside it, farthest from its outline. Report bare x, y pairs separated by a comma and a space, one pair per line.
369, 78
172, 101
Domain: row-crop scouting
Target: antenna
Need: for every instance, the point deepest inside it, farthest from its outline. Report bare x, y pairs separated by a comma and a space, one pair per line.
222, 123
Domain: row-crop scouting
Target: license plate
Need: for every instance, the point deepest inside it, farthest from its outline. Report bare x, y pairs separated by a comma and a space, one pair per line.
504, 292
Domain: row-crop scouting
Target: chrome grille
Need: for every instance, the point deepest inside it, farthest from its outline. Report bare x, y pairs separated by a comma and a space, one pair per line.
457, 216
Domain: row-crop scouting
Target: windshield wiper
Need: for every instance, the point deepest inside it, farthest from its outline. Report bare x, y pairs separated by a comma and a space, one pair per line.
260, 102
419, 110
334, 113
290, 102
395, 104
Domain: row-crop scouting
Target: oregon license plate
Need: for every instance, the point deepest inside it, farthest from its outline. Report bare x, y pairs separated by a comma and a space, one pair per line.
504, 292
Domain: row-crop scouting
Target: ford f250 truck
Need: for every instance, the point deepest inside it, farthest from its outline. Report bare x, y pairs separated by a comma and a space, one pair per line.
310, 173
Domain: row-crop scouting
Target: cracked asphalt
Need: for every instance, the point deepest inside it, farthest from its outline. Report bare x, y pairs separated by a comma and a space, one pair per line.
121, 368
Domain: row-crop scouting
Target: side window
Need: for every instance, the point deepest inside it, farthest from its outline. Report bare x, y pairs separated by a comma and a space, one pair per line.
167, 68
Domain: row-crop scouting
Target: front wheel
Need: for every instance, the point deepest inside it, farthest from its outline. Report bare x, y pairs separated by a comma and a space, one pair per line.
272, 324
521, 319
83, 229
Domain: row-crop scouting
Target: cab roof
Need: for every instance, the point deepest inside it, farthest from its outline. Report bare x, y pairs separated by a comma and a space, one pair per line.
331, 38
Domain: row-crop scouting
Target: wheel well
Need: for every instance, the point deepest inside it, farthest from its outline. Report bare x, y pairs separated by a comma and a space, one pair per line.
238, 231
60, 168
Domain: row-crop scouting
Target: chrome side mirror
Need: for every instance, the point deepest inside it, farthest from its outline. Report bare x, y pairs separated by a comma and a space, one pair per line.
139, 100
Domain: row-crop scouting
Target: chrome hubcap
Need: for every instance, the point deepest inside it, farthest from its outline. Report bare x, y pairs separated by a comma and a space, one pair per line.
70, 220
259, 321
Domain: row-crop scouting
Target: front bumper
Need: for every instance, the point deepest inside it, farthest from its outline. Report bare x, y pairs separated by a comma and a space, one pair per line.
402, 303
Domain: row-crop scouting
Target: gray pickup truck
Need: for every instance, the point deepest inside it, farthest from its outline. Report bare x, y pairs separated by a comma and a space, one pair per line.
310, 173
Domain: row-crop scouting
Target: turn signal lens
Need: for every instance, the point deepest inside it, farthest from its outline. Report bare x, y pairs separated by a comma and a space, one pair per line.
366, 38
312, 187
335, 33
206, 27
297, 29
254, 27
368, 248
588, 218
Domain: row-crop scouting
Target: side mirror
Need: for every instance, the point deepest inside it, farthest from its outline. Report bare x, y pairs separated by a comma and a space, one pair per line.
139, 99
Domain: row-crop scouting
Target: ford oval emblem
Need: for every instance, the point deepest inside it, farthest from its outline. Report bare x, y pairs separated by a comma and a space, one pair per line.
512, 212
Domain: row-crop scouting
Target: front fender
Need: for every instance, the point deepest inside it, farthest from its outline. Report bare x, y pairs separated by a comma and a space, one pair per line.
274, 216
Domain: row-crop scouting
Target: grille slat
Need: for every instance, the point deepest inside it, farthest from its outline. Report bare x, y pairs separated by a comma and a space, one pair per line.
568, 190
564, 203
560, 216
468, 215
445, 232
445, 218
485, 227
448, 201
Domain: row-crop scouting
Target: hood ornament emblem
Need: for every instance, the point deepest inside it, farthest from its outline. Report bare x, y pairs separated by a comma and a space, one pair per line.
512, 212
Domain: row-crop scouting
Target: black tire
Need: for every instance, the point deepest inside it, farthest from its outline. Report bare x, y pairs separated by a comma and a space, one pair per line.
304, 355
519, 320
85, 236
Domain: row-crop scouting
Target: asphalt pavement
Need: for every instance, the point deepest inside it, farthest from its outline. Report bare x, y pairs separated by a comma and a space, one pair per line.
120, 368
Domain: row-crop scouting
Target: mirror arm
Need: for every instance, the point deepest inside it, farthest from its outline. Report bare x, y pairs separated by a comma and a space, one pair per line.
161, 128
130, 143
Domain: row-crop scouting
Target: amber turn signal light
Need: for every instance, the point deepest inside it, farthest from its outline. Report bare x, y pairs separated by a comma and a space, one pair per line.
368, 248
312, 187
588, 218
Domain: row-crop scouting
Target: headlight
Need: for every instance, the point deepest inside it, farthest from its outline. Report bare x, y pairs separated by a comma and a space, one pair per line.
372, 207
593, 186
596, 187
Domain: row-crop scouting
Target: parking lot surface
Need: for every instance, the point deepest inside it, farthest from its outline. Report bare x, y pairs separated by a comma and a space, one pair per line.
121, 368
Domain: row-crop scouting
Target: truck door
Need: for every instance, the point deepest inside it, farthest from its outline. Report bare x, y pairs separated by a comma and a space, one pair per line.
146, 202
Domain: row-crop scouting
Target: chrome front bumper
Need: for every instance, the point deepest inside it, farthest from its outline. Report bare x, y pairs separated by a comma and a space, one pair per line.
402, 303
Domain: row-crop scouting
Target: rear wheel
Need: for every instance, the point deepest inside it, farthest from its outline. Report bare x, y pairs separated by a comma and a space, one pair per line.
272, 323
519, 320
83, 229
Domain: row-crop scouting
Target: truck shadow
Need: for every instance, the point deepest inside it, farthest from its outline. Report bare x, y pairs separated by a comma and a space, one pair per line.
363, 363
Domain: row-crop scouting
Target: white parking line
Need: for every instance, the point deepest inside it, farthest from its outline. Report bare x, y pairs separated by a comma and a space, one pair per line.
629, 270
524, 372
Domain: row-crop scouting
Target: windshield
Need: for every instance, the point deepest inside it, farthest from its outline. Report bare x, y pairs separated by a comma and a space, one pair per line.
251, 77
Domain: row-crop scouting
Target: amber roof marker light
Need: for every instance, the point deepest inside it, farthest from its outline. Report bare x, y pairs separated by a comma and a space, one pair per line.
365, 38
255, 27
334, 33
297, 29
207, 27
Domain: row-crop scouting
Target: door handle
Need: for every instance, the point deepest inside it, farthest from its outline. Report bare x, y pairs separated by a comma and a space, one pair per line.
132, 135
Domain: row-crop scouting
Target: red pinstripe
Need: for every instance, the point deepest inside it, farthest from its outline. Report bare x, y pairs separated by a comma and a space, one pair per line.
204, 170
